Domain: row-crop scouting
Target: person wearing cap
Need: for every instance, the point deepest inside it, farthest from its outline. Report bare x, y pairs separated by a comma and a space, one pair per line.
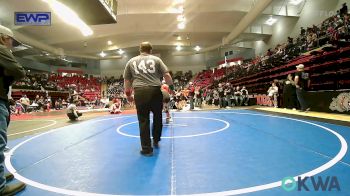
10, 71
302, 83
143, 73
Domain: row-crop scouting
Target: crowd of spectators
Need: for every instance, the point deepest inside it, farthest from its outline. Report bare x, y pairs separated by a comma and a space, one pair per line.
39, 103
57, 82
35, 81
115, 86
227, 96
329, 35
88, 86
182, 79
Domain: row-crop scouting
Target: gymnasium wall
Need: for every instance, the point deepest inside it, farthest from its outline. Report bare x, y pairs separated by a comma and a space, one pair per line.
195, 63
92, 68
314, 12
30, 64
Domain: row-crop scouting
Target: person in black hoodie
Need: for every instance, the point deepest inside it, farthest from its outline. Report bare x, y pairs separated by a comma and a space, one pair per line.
289, 93
10, 71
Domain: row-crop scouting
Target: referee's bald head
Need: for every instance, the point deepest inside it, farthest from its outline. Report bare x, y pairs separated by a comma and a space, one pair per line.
146, 47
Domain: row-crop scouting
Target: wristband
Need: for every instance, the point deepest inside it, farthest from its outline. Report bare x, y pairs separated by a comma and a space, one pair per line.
171, 87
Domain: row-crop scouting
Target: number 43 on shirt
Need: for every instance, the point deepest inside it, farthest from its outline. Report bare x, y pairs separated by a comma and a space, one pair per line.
141, 67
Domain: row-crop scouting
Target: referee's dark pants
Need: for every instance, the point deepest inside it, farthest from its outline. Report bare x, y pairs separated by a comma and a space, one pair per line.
149, 99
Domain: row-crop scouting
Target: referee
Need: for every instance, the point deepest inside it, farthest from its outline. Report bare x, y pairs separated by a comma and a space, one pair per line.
143, 73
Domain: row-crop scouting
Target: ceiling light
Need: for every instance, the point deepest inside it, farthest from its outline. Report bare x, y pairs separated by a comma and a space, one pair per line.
295, 2
197, 48
69, 16
271, 21
181, 25
178, 48
181, 9
64, 59
181, 18
102, 54
176, 10
109, 42
120, 51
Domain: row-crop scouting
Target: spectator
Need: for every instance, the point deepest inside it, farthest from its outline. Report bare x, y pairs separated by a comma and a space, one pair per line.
25, 103
191, 95
289, 93
302, 31
221, 96
216, 97
18, 108
58, 104
273, 94
10, 70
302, 83
344, 10
238, 96
198, 95
245, 96
228, 94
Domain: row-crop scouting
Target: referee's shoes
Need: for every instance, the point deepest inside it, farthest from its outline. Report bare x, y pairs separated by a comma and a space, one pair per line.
146, 153
155, 144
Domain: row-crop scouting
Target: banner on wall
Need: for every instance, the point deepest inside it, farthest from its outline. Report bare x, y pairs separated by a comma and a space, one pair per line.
263, 100
321, 101
341, 103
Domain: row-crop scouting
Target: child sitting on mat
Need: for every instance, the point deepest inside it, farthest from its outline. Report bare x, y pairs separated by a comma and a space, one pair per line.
116, 106
72, 111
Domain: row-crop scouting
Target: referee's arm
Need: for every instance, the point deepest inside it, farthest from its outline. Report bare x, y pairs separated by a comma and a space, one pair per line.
127, 87
167, 77
127, 81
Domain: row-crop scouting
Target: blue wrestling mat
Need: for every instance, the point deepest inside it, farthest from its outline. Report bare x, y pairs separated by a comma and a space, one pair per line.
201, 153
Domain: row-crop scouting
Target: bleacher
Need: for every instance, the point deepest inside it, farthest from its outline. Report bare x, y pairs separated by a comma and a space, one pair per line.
90, 88
326, 62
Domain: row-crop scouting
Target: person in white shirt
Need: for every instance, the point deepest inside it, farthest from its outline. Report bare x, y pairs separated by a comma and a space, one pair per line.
273, 94
72, 111
116, 106
25, 102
